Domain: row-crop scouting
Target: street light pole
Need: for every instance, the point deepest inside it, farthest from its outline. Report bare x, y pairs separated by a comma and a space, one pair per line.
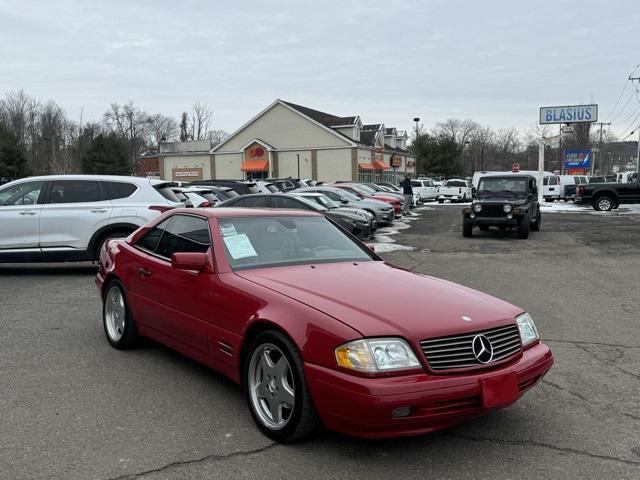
298, 156
415, 165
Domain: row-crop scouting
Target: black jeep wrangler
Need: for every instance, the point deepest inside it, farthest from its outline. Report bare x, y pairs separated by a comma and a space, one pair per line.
504, 201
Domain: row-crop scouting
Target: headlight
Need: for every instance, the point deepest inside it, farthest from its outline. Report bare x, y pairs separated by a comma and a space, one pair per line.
477, 207
376, 355
528, 332
507, 207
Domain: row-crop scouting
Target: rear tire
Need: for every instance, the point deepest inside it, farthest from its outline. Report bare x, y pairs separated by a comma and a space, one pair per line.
523, 227
266, 384
467, 230
440, 201
603, 204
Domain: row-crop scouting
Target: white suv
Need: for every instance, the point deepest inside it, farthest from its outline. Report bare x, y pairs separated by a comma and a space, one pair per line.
69, 217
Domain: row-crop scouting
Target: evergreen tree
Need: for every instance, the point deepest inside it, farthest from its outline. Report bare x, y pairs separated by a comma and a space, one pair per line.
107, 155
13, 158
438, 155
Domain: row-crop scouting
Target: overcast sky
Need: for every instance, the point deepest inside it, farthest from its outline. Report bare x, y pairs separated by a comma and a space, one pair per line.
493, 61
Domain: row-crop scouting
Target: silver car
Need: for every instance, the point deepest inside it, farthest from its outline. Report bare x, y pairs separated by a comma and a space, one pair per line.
383, 211
322, 199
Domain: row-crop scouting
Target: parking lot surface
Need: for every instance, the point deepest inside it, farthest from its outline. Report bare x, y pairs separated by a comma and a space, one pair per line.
72, 407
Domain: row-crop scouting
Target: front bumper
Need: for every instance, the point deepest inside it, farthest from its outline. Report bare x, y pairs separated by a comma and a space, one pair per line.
492, 221
363, 407
386, 216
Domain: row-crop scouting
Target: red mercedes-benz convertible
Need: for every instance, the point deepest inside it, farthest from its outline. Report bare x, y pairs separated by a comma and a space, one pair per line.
315, 326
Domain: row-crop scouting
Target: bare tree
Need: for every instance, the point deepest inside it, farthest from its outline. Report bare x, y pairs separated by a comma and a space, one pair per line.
459, 131
216, 136
162, 128
131, 124
200, 119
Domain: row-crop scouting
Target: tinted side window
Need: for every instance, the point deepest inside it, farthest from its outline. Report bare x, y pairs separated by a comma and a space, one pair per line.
116, 190
150, 239
252, 202
282, 202
21, 194
75, 191
184, 234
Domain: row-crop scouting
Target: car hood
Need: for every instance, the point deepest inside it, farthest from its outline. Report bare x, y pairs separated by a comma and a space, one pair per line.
378, 299
500, 199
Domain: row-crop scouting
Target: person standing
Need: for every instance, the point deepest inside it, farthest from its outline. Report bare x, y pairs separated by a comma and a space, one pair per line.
407, 191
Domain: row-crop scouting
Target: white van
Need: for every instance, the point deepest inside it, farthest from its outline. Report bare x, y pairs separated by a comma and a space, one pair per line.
479, 174
551, 188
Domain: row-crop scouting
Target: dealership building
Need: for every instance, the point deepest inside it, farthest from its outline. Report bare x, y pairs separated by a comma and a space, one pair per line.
289, 140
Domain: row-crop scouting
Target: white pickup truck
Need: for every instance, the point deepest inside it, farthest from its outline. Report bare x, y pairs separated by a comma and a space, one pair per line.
456, 190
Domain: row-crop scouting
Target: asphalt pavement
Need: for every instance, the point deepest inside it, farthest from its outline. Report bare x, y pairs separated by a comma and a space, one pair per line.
72, 407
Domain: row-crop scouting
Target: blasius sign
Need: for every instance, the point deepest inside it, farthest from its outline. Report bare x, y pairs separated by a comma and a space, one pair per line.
569, 114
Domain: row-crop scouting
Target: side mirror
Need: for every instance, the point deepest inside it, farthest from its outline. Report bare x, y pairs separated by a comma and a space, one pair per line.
195, 261
371, 247
344, 202
473, 191
534, 191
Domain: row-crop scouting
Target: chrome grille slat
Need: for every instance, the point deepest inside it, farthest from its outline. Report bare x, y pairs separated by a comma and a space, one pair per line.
456, 351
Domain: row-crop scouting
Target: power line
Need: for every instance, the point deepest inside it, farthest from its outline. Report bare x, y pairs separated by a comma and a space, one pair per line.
622, 92
624, 108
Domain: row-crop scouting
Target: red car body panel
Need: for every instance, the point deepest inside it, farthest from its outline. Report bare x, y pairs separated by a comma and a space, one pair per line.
210, 315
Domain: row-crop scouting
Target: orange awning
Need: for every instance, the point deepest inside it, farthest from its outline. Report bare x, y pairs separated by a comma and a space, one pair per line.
380, 165
365, 166
255, 166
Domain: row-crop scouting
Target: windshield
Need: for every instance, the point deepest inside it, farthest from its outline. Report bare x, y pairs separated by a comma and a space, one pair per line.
258, 242
344, 195
165, 190
517, 186
366, 188
322, 200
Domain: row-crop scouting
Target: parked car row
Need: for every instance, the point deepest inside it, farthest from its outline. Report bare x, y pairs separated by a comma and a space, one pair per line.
69, 217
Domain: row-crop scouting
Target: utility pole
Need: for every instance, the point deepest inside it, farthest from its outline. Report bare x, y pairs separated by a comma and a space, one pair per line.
637, 79
593, 163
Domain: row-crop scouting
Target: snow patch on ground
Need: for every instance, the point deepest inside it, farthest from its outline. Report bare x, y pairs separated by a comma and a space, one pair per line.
390, 247
570, 207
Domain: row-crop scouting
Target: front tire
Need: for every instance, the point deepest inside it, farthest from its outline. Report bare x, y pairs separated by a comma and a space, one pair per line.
119, 327
535, 226
276, 389
467, 230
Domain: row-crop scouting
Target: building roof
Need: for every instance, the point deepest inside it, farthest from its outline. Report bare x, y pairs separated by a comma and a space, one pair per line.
372, 126
326, 119
389, 131
368, 137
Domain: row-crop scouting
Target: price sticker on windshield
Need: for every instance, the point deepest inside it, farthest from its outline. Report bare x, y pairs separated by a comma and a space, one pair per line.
239, 246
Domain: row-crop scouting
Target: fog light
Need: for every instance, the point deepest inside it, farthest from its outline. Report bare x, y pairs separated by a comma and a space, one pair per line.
510, 216
401, 412
473, 215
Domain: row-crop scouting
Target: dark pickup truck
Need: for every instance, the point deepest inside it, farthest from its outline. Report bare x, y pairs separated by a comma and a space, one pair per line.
607, 196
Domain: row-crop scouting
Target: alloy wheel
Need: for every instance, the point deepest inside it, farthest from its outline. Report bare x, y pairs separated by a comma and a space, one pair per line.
115, 313
271, 386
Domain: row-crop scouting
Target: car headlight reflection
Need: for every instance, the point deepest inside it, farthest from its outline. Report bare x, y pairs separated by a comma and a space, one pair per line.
376, 355
528, 331
477, 207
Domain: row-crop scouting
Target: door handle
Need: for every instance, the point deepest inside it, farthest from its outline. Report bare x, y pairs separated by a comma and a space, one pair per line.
144, 272
98, 210
27, 212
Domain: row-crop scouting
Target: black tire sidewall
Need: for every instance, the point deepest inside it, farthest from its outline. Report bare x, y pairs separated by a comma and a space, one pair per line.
300, 385
524, 226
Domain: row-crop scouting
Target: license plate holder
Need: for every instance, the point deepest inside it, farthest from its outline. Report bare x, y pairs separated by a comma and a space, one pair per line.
499, 390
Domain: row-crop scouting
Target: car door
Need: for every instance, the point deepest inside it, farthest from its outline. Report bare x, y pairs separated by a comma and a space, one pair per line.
73, 211
20, 209
174, 302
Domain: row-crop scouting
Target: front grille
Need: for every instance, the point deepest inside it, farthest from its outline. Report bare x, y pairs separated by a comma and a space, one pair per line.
456, 351
492, 210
